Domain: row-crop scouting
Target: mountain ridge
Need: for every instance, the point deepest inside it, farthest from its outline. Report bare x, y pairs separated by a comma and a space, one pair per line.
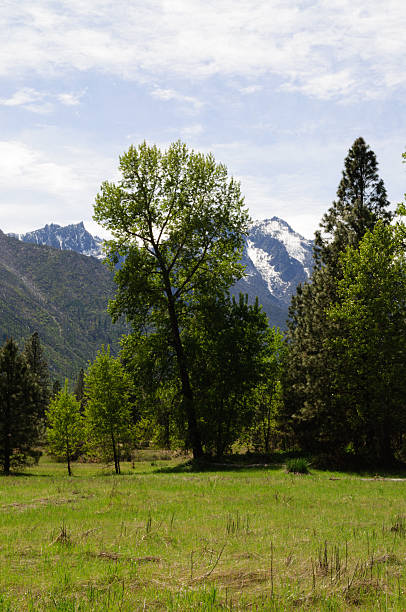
61, 294
276, 259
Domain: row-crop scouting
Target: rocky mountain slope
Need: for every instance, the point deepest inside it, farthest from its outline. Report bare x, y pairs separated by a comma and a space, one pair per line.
276, 260
61, 294
68, 238
276, 257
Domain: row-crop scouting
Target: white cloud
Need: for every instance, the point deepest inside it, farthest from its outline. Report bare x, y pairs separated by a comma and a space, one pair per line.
170, 94
29, 99
41, 102
40, 186
250, 89
70, 99
22, 97
325, 49
28, 169
191, 131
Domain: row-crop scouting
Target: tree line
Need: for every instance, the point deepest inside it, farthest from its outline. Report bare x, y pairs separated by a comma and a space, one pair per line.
204, 370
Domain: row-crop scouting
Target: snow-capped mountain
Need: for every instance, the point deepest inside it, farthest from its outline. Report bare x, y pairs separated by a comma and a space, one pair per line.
276, 257
281, 256
276, 260
68, 238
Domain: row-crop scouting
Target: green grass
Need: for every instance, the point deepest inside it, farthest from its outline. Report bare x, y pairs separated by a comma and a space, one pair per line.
161, 539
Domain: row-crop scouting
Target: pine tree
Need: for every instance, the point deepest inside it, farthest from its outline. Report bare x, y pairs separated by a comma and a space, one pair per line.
311, 407
79, 389
361, 202
56, 387
34, 356
20, 415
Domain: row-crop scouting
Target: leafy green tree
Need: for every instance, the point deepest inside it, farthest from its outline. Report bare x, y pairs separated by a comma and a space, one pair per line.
65, 426
178, 221
371, 348
229, 342
20, 413
151, 363
34, 356
108, 415
311, 407
262, 432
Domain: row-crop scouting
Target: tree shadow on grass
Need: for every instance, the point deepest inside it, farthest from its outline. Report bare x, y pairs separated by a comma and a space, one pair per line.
230, 463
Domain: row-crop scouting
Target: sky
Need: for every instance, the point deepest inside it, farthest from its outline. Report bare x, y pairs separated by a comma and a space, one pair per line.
278, 90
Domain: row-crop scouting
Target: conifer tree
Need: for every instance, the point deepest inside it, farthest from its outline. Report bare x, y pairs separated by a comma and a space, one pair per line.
20, 414
56, 387
79, 389
34, 356
310, 377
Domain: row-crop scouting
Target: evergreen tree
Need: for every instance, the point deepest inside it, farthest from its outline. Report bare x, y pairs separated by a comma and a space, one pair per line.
20, 411
56, 387
34, 356
311, 406
361, 202
79, 389
65, 425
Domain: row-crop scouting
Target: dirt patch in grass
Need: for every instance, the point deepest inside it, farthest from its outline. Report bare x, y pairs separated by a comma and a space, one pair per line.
111, 556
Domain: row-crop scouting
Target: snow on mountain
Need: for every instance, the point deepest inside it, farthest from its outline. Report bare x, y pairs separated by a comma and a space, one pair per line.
73, 237
281, 256
276, 259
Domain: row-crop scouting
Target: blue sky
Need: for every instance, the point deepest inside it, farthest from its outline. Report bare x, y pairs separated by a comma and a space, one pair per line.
277, 90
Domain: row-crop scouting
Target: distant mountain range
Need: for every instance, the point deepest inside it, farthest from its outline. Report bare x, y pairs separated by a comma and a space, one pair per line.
61, 294
276, 257
67, 238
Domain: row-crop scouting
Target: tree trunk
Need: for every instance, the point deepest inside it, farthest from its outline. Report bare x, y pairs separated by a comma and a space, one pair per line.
68, 459
7, 453
7, 438
116, 462
194, 435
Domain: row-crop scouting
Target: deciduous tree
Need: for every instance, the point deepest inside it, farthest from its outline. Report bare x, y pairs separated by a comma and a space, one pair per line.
65, 425
108, 416
178, 221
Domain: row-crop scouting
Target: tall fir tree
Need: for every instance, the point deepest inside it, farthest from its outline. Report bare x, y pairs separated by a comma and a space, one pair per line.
20, 414
34, 356
79, 389
311, 407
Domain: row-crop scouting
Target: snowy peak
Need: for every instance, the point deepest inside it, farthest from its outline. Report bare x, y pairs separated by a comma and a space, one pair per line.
296, 245
277, 257
73, 237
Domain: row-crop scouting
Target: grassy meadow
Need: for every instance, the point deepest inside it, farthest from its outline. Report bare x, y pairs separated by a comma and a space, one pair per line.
163, 536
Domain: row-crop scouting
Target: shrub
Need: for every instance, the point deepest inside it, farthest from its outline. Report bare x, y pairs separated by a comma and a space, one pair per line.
298, 465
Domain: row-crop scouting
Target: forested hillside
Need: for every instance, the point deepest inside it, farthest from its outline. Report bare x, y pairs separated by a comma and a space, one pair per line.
60, 294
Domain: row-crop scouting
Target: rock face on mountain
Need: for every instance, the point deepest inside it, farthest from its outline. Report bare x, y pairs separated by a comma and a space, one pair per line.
276, 258
68, 238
